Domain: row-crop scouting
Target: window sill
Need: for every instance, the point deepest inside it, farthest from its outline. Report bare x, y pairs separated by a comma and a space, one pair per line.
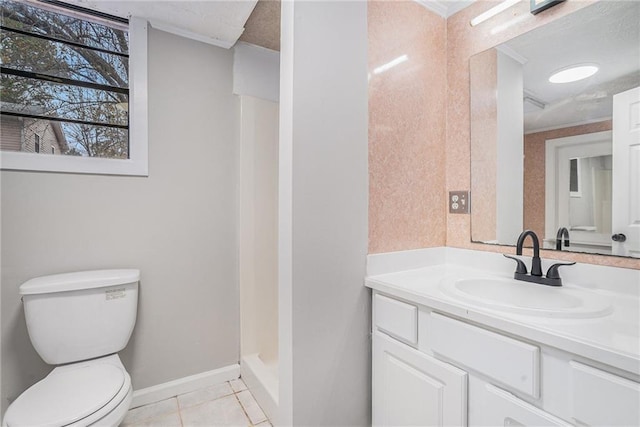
71, 164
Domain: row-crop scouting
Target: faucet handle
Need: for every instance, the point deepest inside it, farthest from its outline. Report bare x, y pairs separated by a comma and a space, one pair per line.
521, 268
552, 272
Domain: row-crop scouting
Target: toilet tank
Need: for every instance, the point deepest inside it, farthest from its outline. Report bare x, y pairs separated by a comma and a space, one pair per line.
79, 316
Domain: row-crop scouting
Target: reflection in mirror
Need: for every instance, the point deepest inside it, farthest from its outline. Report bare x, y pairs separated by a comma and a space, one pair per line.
550, 155
578, 189
590, 197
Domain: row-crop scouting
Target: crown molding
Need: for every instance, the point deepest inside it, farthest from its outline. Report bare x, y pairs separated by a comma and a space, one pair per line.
444, 8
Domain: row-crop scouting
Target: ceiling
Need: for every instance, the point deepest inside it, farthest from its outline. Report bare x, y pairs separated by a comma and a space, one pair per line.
607, 34
263, 26
220, 23
223, 23
445, 8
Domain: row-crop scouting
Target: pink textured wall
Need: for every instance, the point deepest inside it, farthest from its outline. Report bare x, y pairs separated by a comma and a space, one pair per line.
464, 41
407, 127
534, 170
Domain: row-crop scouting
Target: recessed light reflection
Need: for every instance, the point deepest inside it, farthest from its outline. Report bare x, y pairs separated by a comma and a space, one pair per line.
573, 74
390, 64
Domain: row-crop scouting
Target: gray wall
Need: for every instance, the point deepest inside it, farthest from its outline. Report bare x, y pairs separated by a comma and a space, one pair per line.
178, 226
330, 305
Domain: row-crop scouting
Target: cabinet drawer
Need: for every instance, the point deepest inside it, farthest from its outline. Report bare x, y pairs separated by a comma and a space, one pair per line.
397, 318
497, 407
601, 398
513, 363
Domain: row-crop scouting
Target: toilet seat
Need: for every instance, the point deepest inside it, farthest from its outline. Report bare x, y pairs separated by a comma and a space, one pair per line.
71, 395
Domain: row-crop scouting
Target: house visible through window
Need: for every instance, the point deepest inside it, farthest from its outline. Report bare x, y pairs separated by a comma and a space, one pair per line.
65, 75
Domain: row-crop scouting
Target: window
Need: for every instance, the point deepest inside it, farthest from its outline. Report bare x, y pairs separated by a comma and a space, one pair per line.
69, 75
575, 189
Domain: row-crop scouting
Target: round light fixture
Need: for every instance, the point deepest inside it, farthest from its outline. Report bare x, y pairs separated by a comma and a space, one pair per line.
573, 73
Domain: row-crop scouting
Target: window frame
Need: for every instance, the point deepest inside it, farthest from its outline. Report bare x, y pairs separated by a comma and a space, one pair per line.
577, 193
137, 164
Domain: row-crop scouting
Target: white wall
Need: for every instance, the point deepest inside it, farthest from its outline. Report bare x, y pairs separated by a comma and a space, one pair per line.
256, 71
510, 150
325, 309
178, 226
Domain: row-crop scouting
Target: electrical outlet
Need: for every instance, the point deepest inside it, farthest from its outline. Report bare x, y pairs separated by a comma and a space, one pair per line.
459, 202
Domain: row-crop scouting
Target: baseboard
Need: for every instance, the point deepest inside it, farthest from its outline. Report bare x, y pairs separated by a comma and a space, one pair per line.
195, 382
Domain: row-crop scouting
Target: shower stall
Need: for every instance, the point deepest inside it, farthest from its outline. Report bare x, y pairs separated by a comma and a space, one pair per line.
256, 81
259, 250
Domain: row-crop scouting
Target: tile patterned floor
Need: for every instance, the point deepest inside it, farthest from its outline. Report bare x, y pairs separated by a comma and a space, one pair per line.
227, 404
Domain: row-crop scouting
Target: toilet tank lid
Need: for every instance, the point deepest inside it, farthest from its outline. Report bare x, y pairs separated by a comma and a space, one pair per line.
79, 280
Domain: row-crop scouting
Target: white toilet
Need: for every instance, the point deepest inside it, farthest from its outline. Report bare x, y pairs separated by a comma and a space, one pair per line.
78, 321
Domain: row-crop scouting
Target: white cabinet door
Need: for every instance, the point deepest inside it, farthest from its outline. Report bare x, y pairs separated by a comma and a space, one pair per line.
497, 407
412, 388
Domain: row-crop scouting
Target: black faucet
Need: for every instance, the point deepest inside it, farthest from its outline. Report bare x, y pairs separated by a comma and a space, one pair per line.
536, 266
562, 232
552, 278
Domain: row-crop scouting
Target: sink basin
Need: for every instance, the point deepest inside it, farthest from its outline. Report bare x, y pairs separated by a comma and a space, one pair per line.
525, 298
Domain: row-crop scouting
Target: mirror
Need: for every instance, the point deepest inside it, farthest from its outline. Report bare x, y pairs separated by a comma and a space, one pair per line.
543, 154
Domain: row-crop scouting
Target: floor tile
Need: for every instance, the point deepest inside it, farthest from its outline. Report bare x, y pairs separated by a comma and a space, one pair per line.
206, 394
251, 407
225, 411
170, 420
153, 410
238, 385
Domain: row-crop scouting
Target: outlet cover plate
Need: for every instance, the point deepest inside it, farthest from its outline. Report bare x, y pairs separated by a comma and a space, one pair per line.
459, 202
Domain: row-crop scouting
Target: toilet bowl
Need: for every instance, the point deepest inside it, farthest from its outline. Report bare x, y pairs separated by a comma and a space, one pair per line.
78, 321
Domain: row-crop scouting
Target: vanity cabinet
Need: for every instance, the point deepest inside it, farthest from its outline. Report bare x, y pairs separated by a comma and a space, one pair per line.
432, 369
415, 389
409, 386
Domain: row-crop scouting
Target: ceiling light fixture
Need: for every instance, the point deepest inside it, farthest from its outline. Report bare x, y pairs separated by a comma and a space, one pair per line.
573, 73
492, 12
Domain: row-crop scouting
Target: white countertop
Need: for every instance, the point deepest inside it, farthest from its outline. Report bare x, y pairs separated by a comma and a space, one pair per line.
613, 339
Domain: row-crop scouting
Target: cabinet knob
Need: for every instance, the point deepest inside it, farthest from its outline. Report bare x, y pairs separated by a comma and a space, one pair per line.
619, 237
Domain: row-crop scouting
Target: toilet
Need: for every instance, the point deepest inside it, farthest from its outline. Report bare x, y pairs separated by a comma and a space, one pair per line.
79, 322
